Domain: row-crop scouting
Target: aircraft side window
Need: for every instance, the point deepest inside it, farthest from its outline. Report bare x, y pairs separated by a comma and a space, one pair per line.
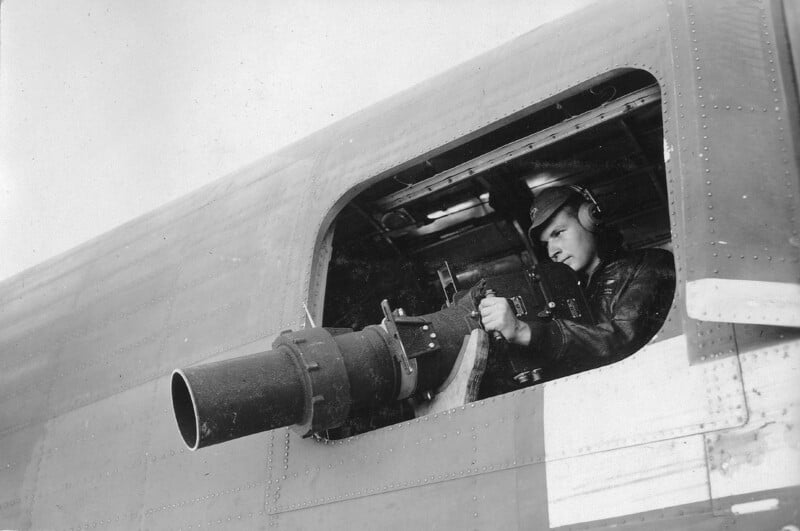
558, 246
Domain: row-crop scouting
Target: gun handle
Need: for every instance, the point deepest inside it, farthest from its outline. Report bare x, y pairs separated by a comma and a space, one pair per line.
496, 334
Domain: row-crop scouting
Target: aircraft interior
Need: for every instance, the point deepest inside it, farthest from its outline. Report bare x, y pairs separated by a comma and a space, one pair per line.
442, 224
468, 206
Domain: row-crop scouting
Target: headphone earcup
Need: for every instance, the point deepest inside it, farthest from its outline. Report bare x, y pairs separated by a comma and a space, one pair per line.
589, 218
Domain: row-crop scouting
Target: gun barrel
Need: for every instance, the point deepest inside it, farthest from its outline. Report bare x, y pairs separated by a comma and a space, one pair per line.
224, 400
310, 380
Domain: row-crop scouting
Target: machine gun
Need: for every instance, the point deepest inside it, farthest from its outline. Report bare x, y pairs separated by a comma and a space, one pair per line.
312, 379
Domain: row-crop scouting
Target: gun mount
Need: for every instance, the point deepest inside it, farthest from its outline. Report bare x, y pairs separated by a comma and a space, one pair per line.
312, 379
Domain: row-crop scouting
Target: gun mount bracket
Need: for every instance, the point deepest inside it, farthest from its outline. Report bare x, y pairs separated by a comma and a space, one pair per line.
409, 337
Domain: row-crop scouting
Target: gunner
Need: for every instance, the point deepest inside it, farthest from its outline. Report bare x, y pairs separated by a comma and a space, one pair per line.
628, 292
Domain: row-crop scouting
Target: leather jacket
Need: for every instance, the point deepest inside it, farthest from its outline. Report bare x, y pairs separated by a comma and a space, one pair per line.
629, 295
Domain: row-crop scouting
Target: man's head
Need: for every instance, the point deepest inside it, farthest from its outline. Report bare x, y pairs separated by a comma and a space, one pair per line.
556, 222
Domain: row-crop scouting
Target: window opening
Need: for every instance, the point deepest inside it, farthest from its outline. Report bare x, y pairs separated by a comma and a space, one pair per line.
464, 214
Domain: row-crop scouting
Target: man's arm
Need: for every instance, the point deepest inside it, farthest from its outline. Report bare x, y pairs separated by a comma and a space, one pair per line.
630, 306
496, 314
631, 302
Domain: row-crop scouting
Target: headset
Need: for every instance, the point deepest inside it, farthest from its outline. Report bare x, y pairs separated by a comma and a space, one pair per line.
590, 215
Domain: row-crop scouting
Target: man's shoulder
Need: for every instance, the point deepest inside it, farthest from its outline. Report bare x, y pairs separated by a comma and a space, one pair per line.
643, 259
654, 256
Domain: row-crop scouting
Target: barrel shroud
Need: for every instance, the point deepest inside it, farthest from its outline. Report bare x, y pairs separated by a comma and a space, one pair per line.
310, 380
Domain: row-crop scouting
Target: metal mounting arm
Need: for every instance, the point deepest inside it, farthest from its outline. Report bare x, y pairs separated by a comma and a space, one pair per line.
409, 337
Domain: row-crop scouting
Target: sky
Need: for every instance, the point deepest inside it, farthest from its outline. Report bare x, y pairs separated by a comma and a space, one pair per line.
111, 108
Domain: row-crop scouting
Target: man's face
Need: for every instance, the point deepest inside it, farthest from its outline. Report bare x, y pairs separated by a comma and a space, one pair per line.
568, 242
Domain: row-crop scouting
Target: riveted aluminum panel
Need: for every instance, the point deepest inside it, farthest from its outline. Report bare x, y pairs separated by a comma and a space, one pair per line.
176, 486
93, 460
764, 454
737, 205
786, 17
745, 301
24, 397
678, 132
130, 290
155, 305
23, 400
627, 481
494, 434
18, 415
514, 498
130, 275
651, 396
754, 337
791, 17
38, 295
30, 347
22, 326
116, 348
709, 340
98, 364
196, 338
740, 202
699, 516
185, 488
20, 453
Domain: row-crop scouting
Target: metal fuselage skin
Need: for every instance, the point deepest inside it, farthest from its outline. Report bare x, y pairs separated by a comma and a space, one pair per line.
698, 430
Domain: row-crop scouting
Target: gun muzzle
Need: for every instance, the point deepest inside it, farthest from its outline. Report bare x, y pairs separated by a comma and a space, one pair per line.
311, 379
